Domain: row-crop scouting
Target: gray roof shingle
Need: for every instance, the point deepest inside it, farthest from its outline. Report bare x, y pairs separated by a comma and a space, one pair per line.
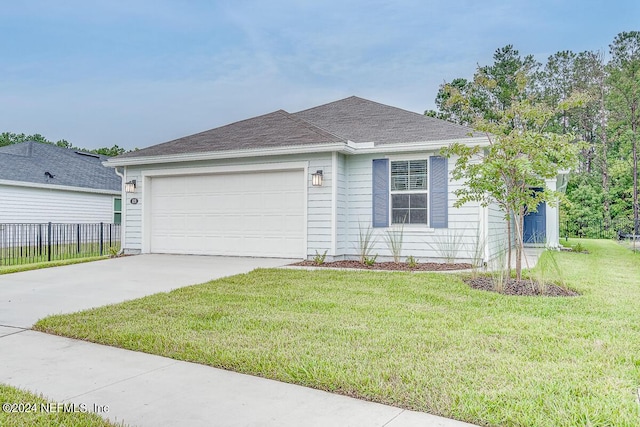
361, 120
277, 129
350, 119
29, 162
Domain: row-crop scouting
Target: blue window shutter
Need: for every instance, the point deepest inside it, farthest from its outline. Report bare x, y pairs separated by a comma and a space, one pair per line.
439, 192
380, 193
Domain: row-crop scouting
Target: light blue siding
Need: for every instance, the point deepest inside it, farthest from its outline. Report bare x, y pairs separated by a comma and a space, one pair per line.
421, 242
335, 223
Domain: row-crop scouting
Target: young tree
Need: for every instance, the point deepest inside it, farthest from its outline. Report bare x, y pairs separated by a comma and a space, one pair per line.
520, 156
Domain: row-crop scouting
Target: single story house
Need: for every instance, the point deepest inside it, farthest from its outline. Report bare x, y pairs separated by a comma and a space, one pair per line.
298, 184
42, 183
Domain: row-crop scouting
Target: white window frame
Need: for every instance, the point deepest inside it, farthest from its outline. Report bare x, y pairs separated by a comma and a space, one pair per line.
115, 211
426, 192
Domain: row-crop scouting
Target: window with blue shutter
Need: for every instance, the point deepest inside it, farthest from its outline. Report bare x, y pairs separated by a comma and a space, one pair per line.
380, 193
439, 192
409, 192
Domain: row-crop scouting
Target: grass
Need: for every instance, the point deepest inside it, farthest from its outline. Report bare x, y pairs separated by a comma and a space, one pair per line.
15, 256
33, 412
35, 266
420, 341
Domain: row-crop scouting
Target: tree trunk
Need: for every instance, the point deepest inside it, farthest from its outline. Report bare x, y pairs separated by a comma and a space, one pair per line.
634, 144
509, 243
519, 242
604, 161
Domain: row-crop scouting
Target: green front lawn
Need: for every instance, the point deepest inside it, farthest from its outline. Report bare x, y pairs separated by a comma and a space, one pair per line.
422, 341
46, 264
21, 408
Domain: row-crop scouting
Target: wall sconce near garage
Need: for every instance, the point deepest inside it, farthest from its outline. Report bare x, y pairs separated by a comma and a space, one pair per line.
130, 187
316, 179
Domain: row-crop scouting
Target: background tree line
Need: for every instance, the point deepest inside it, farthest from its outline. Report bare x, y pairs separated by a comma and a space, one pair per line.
603, 187
8, 138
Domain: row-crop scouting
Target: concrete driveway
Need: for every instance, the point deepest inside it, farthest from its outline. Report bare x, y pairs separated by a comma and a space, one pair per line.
31, 295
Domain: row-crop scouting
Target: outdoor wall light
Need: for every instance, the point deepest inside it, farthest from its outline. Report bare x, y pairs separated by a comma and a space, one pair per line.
316, 179
130, 187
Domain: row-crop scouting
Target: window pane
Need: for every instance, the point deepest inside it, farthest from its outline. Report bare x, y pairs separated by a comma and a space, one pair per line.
399, 183
418, 175
418, 216
418, 182
418, 167
400, 200
400, 216
418, 201
117, 205
399, 176
117, 218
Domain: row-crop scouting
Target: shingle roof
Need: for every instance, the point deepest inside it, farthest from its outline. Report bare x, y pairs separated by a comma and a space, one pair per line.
351, 119
277, 129
30, 161
361, 120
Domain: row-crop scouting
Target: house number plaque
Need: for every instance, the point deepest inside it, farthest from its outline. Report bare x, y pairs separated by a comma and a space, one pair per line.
134, 201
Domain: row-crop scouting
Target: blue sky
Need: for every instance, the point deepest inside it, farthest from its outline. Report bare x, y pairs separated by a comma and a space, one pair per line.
137, 73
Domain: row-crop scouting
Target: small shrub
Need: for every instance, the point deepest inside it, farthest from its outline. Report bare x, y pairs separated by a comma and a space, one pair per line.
113, 251
547, 267
447, 245
366, 240
499, 269
319, 259
411, 261
394, 237
369, 261
578, 247
477, 251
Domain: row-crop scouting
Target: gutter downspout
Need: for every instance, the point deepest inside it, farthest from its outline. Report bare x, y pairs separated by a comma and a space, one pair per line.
123, 206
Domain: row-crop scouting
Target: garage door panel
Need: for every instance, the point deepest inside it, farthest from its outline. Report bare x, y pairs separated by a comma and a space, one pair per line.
245, 214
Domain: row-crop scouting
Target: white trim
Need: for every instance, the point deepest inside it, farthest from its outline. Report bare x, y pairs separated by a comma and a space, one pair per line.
424, 145
259, 167
230, 154
123, 208
147, 189
57, 187
334, 202
307, 183
145, 214
427, 191
483, 234
346, 148
411, 156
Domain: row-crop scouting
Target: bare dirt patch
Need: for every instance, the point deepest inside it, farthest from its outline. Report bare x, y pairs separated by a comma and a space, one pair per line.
388, 266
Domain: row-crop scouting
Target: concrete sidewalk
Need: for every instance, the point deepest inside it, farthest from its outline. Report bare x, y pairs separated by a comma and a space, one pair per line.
147, 390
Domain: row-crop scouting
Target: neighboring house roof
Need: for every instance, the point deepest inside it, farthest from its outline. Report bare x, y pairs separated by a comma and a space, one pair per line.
38, 163
349, 120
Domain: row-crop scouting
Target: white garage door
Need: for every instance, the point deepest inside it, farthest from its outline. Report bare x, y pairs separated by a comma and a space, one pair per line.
243, 214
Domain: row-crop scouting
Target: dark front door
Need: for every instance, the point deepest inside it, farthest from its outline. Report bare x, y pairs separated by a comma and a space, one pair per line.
535, 225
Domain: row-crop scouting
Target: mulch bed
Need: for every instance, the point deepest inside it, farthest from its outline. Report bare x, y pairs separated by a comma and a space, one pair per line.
521, 287
388, 266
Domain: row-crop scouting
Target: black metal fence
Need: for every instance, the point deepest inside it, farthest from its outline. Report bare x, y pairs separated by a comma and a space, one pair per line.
29, 243
617, 229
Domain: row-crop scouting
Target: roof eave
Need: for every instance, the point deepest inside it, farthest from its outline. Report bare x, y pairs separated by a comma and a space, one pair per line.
229, 154
341, 147
58, 187
481, 141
